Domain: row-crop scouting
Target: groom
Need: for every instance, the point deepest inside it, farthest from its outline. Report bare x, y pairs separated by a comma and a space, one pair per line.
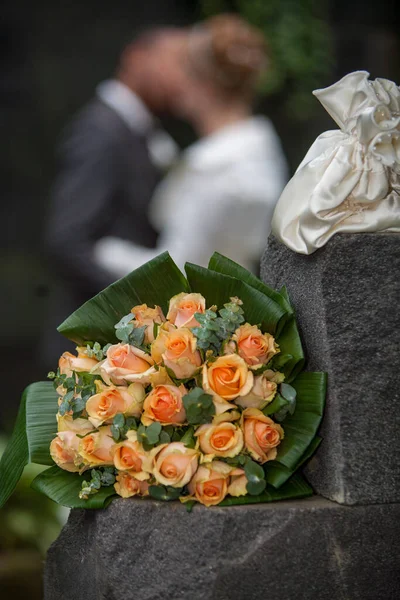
109, 165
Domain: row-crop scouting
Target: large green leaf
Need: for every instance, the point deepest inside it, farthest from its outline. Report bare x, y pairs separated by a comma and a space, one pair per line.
34, 429
15, 456
218, 289
153, 283
41, 422
226, 266
296, 487
290, 343
64, 487
277, 474
301, 427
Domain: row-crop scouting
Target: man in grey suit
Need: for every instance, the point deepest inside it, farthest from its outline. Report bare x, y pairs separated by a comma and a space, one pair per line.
107, 171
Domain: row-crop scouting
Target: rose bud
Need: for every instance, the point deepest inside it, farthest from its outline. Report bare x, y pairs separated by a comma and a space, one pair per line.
68, 363
95, 448
178, 349
261, 394
147, 317
125, 363
103, 407
130, 456
261, 435
127, 486
224, 440
255, 347
174, 464
209, 485
164, 404
183, 307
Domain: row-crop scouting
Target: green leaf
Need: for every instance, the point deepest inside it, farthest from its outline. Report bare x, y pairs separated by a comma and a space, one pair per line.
221, 264
277, 403
199, 406
160, 492
153, 283
301, 427
64, 487
218, 289
279, 474
15, 456
253, 471
295, 487
254, 488
41, 421
119, 420
188, 438
290, 343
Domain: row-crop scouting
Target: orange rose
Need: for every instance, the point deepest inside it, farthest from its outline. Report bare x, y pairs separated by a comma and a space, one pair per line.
178, 349
261, 435
228, 377
103, 407
147, 317
95, 448
164, 404
130, 456
125, 363
182, 308
255, 347
261, 394
68, 363
127, 486
64, 451
174, 464
224, 439
209, 485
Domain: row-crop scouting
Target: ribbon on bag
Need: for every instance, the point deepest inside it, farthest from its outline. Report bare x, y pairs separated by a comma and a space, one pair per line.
349, 180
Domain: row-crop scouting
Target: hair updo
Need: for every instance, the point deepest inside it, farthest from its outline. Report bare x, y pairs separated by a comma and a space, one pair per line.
229, 51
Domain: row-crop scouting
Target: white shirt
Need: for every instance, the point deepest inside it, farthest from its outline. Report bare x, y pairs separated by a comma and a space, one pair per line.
132, 110
220, 197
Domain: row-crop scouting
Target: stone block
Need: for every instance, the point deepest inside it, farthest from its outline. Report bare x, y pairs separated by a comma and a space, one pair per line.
147, 550
346, 297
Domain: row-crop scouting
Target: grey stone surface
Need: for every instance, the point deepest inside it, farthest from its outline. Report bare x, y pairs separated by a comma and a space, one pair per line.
346, 296
310, 549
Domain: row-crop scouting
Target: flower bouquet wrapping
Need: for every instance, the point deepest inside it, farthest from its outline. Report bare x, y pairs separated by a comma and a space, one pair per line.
182, 388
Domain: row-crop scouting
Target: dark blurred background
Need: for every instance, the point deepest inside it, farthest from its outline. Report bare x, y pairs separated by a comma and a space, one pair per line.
54, 53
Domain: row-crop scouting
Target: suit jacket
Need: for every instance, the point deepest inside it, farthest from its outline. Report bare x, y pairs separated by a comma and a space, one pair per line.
104, 184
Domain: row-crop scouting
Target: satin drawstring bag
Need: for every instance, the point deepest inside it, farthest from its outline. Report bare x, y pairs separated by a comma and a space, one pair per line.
349, 180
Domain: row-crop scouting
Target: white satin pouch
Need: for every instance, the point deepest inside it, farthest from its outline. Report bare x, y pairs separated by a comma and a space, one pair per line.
349, 180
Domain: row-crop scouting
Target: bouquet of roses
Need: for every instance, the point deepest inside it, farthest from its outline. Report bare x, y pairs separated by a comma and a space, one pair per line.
184, 388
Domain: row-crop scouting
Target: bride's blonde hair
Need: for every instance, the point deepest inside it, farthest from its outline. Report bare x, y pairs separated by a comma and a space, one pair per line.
228, 51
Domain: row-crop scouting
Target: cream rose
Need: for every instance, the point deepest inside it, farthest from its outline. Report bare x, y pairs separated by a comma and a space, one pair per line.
209, 485
177, 348
174, 464
183, 307
67, 423
227, 377
103, 407
261, 394
147, 317
255, 347
64, 451
127, 486
224, 440
164, 404
125, 363
68, 363
130, 456
261, 435
95, 448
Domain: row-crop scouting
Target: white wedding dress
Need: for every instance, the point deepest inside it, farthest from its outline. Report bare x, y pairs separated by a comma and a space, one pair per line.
220, 197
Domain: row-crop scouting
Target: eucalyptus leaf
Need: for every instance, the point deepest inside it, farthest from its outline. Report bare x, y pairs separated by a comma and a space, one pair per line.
219, 288
64, 488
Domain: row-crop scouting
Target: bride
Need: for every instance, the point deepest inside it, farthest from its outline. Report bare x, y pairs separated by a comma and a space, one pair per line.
221, 195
